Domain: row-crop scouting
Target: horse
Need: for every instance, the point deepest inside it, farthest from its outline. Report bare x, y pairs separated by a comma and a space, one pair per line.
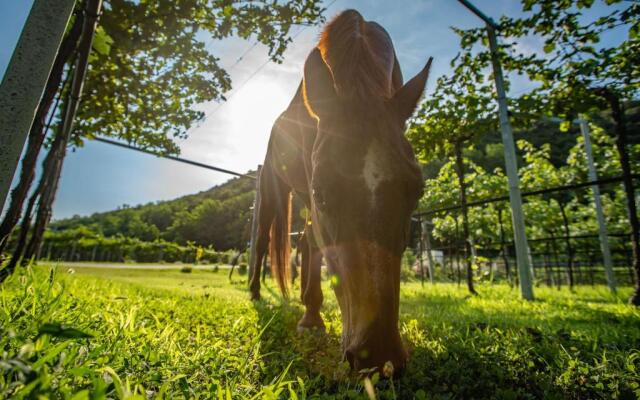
340, 147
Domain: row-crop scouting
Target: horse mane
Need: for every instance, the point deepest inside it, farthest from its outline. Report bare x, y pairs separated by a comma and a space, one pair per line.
359, 55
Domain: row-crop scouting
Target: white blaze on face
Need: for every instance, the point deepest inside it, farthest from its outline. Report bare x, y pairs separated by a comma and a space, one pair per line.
376, 169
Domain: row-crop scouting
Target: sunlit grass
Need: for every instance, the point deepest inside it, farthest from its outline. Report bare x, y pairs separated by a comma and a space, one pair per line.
196, 335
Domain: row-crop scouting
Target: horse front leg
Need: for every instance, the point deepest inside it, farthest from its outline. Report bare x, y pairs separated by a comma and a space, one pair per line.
310, 280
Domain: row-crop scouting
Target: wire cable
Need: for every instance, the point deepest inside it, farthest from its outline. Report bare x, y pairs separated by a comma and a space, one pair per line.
174, 158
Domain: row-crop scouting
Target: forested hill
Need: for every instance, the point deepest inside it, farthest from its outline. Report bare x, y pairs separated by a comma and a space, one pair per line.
218, 217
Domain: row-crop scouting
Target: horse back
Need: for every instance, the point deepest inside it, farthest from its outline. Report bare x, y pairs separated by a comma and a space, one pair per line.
290, 144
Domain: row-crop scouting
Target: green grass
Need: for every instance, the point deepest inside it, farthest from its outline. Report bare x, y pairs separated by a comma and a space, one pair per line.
105, 333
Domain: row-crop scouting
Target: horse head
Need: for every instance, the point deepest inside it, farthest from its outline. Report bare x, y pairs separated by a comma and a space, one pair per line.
365, 184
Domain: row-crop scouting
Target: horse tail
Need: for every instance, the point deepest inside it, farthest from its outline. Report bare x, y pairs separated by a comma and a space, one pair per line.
279, 246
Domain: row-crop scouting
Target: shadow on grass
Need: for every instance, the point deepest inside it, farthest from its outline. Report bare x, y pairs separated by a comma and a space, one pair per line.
314, 356
459, 347
447, 365
589, 319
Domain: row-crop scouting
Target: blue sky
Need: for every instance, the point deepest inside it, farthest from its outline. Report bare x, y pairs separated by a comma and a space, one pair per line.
100, 177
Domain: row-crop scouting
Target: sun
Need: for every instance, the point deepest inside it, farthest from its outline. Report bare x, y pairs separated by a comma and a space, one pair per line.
250, 113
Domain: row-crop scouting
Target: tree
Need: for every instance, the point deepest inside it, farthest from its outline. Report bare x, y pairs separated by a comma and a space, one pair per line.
487, 185
154, 66
91, 13
444, 190
150, 68
543, 211
460, 110
38, 132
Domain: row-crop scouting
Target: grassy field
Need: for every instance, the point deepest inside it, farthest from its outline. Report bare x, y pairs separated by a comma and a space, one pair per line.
106, 333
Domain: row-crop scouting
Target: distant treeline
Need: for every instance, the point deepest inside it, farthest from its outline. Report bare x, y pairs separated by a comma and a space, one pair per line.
217, 218
81, 244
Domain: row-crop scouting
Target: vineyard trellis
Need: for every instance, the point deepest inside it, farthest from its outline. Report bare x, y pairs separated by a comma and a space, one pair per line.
552, 257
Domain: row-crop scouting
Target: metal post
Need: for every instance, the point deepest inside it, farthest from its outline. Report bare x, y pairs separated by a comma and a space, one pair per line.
25, 79
515, 199
427, 242
254, 226
602, 227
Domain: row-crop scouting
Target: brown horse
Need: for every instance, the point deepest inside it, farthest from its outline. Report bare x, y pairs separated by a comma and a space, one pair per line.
340, 146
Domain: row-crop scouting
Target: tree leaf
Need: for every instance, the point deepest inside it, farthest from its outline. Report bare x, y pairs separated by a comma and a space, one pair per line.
102, 41
549, 47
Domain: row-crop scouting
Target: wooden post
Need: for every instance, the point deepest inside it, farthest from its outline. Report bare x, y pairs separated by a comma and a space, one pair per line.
25, 79
254, 225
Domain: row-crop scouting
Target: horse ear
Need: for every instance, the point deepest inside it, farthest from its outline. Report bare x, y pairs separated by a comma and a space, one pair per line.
318, 88
396, 75
406, 99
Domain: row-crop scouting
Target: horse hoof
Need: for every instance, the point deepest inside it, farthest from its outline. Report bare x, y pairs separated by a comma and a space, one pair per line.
310, 323
311, 329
